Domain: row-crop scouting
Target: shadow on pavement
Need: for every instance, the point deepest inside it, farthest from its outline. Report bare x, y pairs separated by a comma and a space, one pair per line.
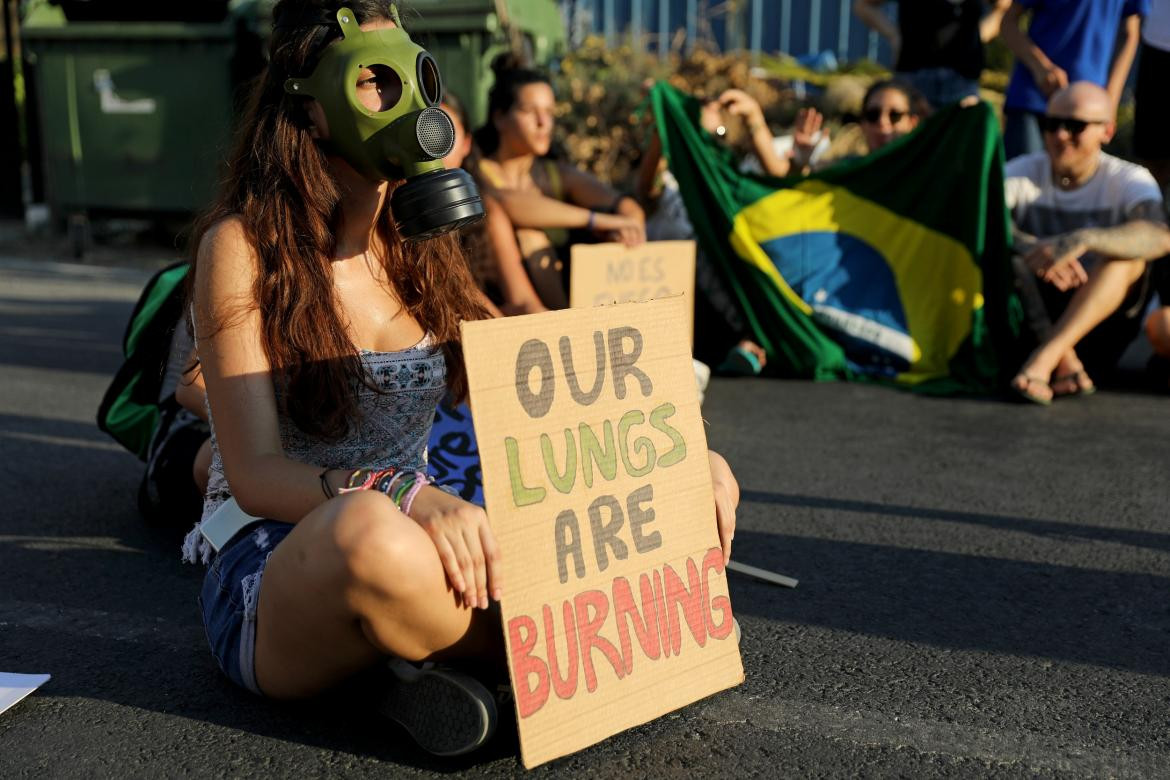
1109, 619
1048, 528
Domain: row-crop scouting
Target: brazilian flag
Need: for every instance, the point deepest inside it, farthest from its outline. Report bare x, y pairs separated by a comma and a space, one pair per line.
894, 267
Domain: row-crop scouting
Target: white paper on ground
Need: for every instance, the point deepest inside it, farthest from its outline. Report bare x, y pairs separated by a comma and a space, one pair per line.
14, 687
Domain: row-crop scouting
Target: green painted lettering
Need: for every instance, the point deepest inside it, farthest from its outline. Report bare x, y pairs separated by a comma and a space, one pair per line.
522, 495
642, 444
593, 452
561, 481
658, 420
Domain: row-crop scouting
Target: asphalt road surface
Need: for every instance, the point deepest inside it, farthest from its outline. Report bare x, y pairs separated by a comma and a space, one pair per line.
983, 589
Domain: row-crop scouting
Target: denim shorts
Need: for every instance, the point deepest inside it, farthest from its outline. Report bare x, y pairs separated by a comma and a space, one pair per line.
231, 592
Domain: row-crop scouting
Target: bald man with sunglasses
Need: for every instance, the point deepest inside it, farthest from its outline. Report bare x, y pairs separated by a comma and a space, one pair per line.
1085, 226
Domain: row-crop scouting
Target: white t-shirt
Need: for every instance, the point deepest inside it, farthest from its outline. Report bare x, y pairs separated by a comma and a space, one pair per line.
1108, 199
1156, 25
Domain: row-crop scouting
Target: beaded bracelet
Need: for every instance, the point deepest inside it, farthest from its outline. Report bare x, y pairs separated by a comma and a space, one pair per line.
370, 479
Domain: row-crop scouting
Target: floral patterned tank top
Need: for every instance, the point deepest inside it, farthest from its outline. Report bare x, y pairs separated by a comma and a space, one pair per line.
393, 428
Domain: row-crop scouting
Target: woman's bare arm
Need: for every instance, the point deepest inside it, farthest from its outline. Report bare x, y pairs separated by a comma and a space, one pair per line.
263, 480
191, 392
519, 295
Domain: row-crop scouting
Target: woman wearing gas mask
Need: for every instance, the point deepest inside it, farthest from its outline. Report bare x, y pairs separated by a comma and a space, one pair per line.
326, 296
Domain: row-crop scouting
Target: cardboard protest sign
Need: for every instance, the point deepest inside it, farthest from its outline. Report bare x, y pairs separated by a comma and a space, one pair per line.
613, 273
598, 489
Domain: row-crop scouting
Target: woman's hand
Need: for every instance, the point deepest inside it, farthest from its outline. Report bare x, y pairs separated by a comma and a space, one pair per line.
465, 543
806, 134
726, 500
629, 230
739, 103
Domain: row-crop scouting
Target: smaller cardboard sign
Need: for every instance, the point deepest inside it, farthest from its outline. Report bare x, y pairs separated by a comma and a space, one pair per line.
615, 273
598, 489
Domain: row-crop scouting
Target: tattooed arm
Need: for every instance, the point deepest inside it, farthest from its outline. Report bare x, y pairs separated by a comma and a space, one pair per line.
1144, 237
1057, 259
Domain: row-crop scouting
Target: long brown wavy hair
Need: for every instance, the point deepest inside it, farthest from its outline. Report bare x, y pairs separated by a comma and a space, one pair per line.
278, 183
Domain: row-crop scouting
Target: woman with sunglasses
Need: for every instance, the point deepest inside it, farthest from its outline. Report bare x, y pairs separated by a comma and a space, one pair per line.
890, 110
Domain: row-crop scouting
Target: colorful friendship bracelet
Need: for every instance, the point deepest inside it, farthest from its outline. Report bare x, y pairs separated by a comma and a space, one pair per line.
400, 486
420, 481
369, 479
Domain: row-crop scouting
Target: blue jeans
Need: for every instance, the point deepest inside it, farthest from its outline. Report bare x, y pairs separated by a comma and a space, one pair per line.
1021, 133
230, 594
940, 86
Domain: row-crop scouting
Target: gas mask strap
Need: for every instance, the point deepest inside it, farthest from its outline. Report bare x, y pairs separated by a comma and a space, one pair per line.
306, 17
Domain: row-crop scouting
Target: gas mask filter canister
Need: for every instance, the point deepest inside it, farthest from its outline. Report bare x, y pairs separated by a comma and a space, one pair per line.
407, 139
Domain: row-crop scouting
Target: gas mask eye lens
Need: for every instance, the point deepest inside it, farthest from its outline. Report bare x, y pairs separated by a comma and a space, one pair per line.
429, 82
379, 88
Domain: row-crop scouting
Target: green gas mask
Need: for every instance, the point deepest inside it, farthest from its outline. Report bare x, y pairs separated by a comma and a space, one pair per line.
405, 140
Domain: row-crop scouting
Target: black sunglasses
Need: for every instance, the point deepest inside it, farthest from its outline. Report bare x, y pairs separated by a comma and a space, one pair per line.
874, 115
1053, 124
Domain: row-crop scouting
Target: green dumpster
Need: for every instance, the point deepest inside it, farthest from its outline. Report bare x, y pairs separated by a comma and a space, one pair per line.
134, 116
466, 35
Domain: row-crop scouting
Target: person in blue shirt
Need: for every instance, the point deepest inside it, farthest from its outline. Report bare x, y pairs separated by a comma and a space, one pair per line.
1066, 41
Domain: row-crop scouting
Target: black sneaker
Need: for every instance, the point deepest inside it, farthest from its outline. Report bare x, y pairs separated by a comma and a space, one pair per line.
447, 713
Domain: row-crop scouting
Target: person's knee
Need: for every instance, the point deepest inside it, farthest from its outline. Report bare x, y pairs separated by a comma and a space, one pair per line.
377, 551
1158, 330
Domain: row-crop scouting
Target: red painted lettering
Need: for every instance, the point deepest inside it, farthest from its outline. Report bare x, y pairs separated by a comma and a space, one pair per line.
691, 601
663, 623
565, 686
713, 560
529, 698
645, 623
587, 628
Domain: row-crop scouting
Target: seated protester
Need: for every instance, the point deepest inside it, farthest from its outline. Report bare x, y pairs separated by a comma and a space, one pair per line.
938, 43
1151, 146
191, 394
720, 332
890, 110
321, 410
544, 198
1085, 223
490, 245
473, 237
180, 453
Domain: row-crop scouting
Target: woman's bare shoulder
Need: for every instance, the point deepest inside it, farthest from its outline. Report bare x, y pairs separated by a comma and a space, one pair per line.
227, 236
226, 264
